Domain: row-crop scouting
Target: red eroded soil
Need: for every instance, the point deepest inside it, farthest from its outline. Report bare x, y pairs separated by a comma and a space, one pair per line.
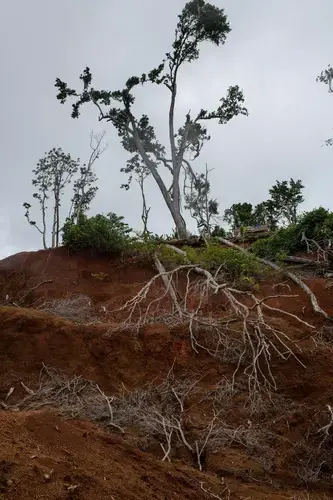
108, 466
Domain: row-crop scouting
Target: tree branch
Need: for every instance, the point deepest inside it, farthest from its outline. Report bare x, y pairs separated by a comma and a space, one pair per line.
287, 273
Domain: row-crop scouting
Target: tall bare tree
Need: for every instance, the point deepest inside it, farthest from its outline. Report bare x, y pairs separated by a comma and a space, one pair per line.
198, 22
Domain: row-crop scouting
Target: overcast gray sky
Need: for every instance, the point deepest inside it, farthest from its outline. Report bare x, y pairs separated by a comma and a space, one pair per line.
274, 53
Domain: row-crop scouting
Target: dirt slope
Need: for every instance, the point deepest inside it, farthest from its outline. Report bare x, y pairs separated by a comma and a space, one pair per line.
82, 463
79, 453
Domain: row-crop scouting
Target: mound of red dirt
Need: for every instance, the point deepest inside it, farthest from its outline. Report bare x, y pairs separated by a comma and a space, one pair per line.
78, 459
43, 457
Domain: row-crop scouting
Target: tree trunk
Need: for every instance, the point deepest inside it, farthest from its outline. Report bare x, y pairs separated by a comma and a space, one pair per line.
54, 226
145, 210
180, 224
44, 221
173, 208
57, 226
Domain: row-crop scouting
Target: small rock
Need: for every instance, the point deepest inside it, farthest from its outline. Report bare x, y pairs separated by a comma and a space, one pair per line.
47, 476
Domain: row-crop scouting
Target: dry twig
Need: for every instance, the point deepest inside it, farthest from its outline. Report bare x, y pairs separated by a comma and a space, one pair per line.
77, 309
325, 430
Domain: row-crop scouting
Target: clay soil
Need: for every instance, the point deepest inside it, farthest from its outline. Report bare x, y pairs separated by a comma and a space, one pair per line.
45, 454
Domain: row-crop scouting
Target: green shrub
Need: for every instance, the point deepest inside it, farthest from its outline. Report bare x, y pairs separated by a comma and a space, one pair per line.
103, 234
312, 223
240, 267
237, 265
316, 224
283, 242
170, 257
327, 228
143, 251
219, 231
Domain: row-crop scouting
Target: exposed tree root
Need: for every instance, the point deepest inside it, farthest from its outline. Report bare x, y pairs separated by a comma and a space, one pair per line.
287, 273
245, 330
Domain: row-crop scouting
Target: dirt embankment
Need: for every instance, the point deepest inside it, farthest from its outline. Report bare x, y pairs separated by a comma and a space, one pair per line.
47, 456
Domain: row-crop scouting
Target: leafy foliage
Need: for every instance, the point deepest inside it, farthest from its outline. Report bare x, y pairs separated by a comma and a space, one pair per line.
284, 241
265, 213
327, 227
102, 234
84, 191
236, 265
315, 225
312, 223
239, 214
286, 197
326, 77
219, 231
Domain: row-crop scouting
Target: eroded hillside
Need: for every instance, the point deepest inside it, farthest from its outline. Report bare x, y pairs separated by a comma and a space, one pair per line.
105, 400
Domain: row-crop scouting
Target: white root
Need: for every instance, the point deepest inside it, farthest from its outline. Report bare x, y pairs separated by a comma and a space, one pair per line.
225, 492
29, 391
325, 430
246, 328
287, 273
167, 280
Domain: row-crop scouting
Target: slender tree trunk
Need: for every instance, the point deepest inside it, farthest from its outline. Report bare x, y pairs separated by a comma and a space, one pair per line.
145, 210
54, 225
44, 221
206, 202
176, 165
173, 207
58, 222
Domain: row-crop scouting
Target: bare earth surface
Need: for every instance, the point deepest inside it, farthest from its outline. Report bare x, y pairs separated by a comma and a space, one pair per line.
46, 454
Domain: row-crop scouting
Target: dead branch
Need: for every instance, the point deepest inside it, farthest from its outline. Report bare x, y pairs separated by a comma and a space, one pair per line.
209, 432
225, 492
77, 309
168, 284
29, 391
9, 393
287, 273
325, 430
109, 401
301, 260
301, 284
321, 252
34, 288
168, 432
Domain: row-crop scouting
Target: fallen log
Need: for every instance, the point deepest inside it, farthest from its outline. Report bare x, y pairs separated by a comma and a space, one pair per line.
308, 262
